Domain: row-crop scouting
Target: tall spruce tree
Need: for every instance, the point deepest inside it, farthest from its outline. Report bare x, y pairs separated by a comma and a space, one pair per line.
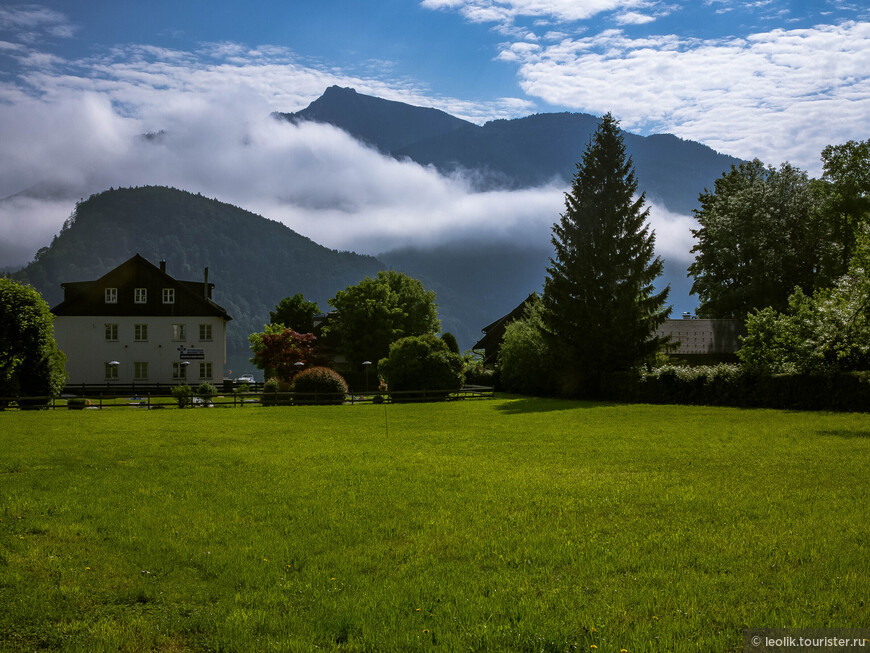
601, 310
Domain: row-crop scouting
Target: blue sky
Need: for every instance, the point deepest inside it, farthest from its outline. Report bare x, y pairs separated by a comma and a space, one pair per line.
79, 80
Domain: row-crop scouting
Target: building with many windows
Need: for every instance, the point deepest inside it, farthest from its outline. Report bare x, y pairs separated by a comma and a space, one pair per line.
136, 324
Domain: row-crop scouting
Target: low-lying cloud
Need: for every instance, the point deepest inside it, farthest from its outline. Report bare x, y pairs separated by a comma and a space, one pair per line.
81, 134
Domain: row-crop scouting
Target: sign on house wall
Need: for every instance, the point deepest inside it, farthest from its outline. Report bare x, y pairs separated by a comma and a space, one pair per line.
191, 353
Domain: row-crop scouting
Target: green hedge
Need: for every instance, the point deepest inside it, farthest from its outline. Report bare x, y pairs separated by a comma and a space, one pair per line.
732, 385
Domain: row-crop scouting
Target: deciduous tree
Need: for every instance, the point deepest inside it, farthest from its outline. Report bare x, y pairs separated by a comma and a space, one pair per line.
30, 361
760, 236
295, 313
378, 311
278, 349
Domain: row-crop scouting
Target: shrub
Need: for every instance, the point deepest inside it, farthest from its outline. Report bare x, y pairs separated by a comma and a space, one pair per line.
524, 359
206, 391
734, 385
422, 363
183, 394
77, 403
326, 385
272, 393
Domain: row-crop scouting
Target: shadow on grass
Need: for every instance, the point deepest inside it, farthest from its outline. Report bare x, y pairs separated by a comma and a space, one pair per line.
846, 433
517, 404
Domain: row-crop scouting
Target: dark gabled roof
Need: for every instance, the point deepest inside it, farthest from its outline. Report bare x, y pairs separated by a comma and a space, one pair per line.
495, 332
192, 298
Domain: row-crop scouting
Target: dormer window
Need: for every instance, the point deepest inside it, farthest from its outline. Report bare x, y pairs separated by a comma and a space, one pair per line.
111, 295
169, 295
140, 296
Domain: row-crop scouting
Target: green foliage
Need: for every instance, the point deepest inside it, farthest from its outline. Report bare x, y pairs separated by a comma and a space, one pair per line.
206, 391
183, 395
601, 309
739, 385
323, 381
295, 313
421, 363
827, 332
845, 194
524, 358
379, 311
77, 403
761, 235
474, 371
271, 385
271, 393
30, 361
450, 340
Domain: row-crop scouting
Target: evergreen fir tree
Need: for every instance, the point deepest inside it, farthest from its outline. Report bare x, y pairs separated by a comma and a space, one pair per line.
600, 307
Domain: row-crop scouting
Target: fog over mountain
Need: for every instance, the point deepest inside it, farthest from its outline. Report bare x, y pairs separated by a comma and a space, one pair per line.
467, 208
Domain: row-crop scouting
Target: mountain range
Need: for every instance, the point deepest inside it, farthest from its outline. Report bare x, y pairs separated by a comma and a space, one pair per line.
255, 262
519, 153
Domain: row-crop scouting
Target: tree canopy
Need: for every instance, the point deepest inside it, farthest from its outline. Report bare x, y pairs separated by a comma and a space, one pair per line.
378, 311
278, 349
30, 361
760, 236
828, 331
295, 313
421, 363
601, 309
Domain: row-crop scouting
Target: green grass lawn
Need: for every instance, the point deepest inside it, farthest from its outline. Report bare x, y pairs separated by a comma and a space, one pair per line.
511, 524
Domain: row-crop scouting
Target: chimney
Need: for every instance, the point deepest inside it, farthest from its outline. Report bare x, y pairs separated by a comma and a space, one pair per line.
163, 267
205, 292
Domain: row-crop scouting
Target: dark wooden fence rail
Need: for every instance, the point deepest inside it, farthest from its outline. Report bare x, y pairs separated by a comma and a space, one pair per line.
117, 397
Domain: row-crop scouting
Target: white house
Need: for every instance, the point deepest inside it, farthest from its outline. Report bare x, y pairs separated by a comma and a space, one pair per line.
136, 324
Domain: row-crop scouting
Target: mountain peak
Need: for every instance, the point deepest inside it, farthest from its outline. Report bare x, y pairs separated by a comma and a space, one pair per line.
388, 125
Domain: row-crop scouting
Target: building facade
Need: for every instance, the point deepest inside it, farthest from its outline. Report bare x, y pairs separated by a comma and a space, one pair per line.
138, 325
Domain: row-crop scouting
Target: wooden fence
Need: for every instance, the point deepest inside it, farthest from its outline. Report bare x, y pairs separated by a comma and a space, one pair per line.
162, 398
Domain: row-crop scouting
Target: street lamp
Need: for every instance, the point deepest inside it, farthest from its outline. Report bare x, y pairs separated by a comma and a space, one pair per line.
366, 367
184, 365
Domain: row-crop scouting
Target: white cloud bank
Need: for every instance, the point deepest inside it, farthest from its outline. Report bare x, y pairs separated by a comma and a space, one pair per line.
781, 95
76, 128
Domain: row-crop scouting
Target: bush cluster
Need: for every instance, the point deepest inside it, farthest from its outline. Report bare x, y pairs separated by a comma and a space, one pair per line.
423, 363
183, 395
319, 385
734, 385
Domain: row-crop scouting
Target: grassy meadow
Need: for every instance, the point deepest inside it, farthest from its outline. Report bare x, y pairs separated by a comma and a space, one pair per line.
505, 525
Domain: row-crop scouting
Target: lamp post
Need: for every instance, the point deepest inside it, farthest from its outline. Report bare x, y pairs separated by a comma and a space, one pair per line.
184, 365
366, 368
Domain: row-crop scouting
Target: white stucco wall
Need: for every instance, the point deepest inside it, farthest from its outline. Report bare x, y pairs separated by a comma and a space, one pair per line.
83, 340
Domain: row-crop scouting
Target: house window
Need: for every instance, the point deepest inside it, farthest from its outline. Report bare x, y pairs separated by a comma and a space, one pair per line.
140, 370
179, 371
111, 295
140, 332
205, 370
140, 296
205, 331
169, 295
112, 332
179, 332
111, 372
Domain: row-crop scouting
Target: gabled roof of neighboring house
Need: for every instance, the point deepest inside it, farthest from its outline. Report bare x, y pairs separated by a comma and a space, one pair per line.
192, 298
494, 332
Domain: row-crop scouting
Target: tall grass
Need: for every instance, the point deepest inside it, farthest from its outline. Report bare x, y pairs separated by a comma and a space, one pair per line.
514, 525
